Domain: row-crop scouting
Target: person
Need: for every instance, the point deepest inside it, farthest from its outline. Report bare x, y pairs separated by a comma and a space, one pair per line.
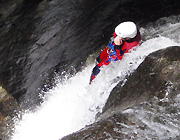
126, 36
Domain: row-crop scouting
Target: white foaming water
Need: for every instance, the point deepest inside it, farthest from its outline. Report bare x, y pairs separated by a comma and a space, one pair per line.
72, 105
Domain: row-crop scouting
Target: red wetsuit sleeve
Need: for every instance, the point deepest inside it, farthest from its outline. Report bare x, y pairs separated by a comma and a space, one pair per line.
104, 54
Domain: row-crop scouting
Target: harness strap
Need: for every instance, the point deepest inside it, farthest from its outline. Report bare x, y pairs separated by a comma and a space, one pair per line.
112, 48
112, 52
111, 45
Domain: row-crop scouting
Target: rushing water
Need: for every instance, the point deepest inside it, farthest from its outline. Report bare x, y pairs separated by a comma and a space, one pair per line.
73, 104
155, 119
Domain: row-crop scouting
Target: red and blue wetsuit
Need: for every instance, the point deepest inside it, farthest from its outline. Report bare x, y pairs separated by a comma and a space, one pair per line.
114, 52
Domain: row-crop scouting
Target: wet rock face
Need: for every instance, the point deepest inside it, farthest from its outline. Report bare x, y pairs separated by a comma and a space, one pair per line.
158, 72
7, 106
7, 103
102, 130
149, 96
8, 7
15, 32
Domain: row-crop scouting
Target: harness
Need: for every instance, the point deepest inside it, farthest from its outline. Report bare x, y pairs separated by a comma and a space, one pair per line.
112, 48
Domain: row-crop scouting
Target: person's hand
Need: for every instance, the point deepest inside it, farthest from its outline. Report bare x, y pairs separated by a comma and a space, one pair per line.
118, 40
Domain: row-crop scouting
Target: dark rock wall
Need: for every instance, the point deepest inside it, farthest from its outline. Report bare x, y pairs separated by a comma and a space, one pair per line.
15, 41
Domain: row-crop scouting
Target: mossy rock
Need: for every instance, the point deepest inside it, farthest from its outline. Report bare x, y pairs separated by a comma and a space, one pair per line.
7, 107
7, 103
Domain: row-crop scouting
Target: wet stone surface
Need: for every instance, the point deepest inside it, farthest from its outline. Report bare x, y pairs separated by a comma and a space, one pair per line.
8, 105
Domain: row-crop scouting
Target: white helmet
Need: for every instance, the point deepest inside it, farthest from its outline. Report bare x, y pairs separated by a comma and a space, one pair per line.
126, 30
